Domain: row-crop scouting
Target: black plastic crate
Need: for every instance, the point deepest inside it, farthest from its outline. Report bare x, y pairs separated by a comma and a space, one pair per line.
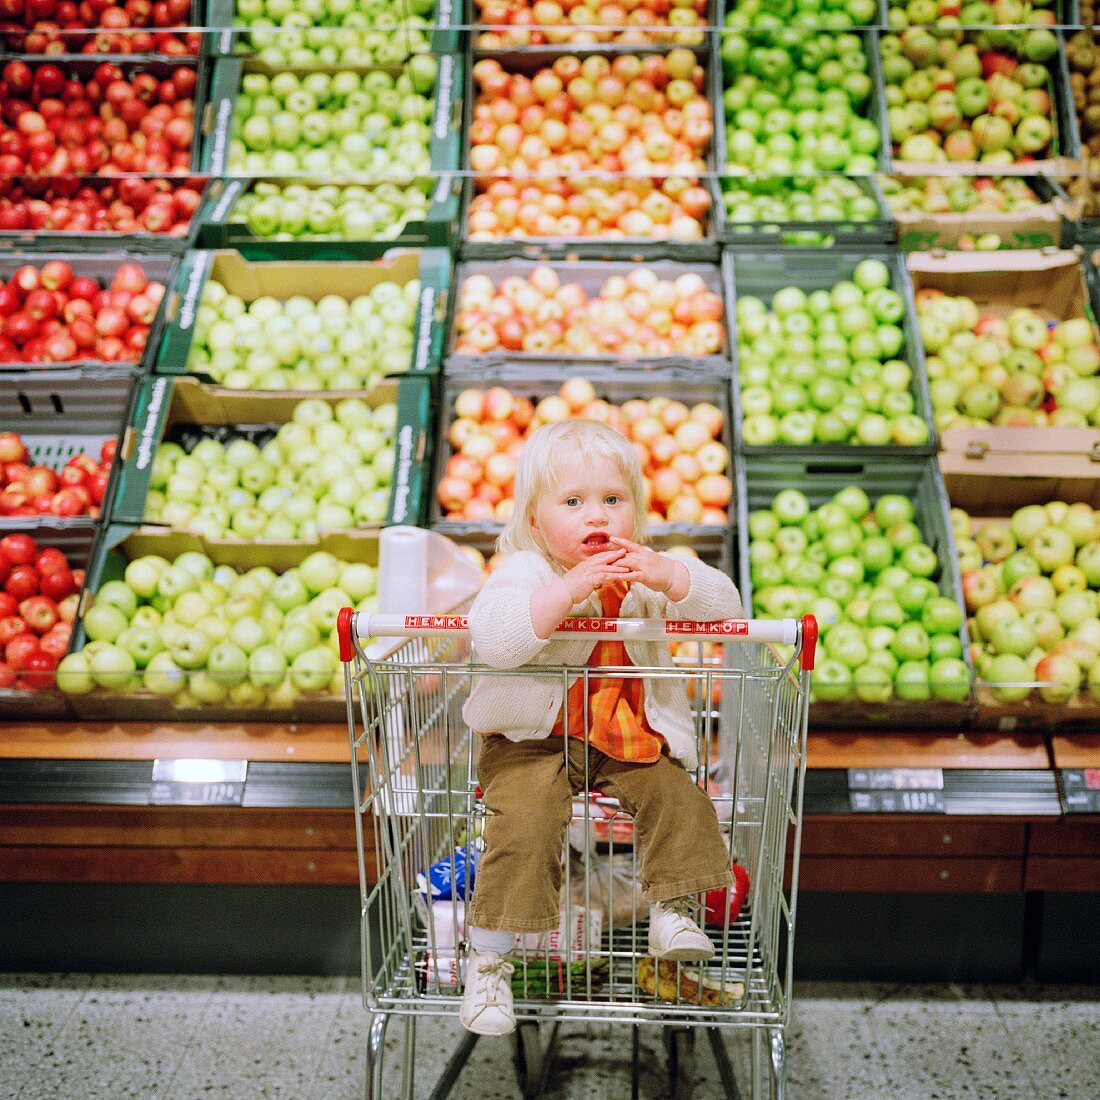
762, 274
760, 478
60, 414
591, 275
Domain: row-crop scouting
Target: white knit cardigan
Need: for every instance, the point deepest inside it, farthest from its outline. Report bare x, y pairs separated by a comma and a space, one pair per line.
526, 707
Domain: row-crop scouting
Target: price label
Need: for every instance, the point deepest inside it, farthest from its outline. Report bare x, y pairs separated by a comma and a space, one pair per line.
1081, 789
897, 802
197, 782
895, 779
896, 790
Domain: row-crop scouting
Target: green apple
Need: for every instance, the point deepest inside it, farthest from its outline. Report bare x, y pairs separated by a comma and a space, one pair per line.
267, 666
312, 670
104, 622
950, 679
163, 676
112, 667
74, 674
118, 594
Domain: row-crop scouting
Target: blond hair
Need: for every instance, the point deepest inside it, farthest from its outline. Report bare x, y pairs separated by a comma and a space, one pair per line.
537, 471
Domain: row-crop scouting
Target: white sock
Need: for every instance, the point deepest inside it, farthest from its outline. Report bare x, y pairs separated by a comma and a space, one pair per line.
485, 941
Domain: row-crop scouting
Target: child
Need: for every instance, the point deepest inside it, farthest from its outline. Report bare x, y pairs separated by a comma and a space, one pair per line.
573, 539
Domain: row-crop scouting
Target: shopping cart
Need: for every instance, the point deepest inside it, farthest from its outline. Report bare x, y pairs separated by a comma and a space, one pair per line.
418, 817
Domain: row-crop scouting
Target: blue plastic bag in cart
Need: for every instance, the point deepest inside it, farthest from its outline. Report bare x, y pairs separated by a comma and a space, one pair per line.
439, 885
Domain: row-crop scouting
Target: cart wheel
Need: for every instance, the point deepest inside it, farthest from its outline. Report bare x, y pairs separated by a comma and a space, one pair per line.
528, 1057
680, 1045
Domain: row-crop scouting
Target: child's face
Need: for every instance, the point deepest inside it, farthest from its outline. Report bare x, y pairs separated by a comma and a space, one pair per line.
590, 502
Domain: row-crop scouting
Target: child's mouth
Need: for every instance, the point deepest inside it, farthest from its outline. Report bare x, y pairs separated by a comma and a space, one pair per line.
596, 540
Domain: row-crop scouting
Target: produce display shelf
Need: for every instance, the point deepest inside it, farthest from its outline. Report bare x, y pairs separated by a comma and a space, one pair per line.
219, 229
761, 275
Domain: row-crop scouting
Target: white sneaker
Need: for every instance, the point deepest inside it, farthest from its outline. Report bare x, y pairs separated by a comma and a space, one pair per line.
487, 998
673, 935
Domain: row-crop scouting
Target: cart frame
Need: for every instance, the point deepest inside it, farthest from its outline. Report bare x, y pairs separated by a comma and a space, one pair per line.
417, 804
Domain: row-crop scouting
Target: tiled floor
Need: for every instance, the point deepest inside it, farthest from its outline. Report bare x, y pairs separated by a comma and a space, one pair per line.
179, 1038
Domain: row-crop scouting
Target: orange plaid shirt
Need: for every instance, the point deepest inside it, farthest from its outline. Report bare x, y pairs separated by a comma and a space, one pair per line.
616, 715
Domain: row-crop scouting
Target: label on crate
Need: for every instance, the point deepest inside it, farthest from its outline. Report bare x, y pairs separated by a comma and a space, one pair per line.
443, 88
423, 361
192, 293
1081, 787
896, 790
219, 153
225, 204
443, 188
402, 473
151, 429
198, 782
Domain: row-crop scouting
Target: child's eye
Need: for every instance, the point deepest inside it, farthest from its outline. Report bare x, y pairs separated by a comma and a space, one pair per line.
613, 499
572, 502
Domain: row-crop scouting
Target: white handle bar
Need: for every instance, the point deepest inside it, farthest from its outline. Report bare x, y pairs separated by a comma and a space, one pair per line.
353, 624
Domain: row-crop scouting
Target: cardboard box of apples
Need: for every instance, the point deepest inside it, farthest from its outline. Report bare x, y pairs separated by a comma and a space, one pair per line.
58, 444
295, 219
983, 214
828, 354
1009, 344
287, 325
377, 123
273, 469
238, 633
866, 546
1029, 555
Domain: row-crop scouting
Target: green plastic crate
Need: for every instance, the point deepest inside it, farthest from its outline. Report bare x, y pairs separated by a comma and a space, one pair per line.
61, 414
219, 230
432, 267
216, 119
164, 401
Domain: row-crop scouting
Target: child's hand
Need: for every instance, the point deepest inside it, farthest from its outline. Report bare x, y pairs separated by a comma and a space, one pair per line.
586, 576
651, 569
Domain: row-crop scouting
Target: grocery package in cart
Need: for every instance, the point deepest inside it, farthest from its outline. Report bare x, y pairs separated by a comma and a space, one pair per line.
419, 816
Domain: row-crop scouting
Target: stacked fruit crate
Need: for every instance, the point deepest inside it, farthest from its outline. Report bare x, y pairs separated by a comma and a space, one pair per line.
282, 416
590, 281
98, 199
